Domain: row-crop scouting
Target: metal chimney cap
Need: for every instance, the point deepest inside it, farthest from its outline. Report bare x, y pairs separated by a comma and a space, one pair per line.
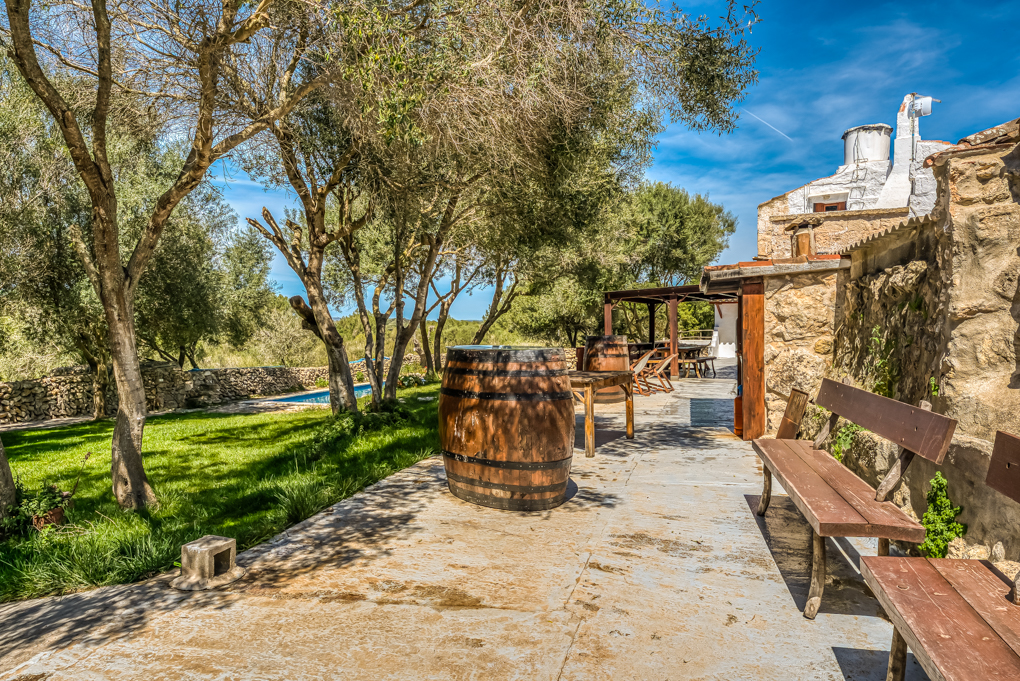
871, 126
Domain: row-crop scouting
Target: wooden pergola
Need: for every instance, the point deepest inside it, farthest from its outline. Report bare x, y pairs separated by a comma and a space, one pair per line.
671, 296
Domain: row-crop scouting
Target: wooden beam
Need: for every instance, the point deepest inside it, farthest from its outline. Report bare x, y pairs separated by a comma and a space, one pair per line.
753, 357
674, 367
607, 320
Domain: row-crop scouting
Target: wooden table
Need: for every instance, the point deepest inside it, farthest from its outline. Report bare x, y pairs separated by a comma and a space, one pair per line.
589, 382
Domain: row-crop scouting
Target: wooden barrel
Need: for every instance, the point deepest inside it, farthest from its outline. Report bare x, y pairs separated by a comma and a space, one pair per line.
506, 426
607, 353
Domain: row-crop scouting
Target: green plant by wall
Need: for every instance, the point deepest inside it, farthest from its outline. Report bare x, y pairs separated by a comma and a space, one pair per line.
933, 386
843, 439
940, 520
359, 376
882, 368
321, 383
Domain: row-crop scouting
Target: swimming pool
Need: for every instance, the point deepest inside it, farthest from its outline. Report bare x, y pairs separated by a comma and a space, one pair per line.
321, 396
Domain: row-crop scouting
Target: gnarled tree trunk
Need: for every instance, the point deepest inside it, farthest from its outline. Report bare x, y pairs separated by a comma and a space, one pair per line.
426, 351
8, 494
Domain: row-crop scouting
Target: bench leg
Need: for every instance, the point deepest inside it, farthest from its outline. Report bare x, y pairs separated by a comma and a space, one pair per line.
766, 492
814, 599
897, 658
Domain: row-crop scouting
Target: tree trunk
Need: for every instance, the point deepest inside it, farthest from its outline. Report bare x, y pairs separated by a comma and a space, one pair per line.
437, 337
341, 382
100, 384
130, 484
8, 493
426, 351
318, 319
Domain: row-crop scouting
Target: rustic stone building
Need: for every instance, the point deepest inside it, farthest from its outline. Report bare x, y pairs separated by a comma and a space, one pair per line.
931, 310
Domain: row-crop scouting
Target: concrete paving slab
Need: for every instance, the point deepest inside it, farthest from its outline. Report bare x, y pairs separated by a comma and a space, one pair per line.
655, 568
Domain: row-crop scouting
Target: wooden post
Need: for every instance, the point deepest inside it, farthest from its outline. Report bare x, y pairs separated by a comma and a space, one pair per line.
651, 323
753, 357
628, 389
607, 320
589, 421
674, 367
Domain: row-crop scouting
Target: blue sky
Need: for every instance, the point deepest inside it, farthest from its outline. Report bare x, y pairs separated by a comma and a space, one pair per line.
824, 67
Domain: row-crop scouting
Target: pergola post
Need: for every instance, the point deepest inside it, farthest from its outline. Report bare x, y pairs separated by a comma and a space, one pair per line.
674, 365
752, 331
607, 320
651, 323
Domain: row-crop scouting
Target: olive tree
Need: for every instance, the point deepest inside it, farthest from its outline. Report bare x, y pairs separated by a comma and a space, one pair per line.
144, 62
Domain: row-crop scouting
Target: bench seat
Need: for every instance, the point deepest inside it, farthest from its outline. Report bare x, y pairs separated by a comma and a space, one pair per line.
954, 614
834, 501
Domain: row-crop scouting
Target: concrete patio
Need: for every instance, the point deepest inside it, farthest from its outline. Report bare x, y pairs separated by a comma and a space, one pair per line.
655, 568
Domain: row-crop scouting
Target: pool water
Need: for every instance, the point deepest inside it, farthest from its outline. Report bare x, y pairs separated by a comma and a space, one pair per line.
321, 396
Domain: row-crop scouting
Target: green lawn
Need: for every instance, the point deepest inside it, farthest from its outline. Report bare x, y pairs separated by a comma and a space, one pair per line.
241, 476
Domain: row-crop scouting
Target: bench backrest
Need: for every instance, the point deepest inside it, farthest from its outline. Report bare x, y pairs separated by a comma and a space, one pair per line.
794, 414
1004, 468
922, 432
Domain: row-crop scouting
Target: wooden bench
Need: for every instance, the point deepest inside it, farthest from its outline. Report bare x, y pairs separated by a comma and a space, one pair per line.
591, 381
960, 617
835, 502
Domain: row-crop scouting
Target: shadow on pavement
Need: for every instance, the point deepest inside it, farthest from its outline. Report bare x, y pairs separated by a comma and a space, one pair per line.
870, 665
788, 537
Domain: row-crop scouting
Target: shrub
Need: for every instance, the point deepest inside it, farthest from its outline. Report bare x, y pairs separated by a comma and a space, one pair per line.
359, 376
29, 506
843, 440
940, 520
321, 383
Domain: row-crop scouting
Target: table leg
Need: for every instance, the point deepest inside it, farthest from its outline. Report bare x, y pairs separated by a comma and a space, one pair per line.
628, 390
589, 421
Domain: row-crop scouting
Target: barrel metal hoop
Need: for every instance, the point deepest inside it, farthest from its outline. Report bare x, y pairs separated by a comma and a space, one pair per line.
522, 489
508, 504
523, 373
512, 465
505, 356
508, 397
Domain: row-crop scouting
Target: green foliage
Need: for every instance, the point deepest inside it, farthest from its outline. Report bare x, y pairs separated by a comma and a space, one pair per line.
677, 234
881, 365
359, 376
30, 504
933, 386
940, 520
843, 440
321, 383
242, 476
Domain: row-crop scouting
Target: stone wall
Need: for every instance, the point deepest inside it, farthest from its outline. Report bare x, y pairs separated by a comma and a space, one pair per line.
932, 311
166, 387
799, 313
838, 230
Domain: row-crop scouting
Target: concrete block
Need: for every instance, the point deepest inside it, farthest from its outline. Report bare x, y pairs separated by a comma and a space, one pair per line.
208, 563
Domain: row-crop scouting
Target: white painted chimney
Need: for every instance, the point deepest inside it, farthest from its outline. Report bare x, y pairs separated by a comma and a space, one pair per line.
866, 143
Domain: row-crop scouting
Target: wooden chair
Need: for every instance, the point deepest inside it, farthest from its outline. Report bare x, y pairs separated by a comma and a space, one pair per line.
661, 373
960, 617
639, 368
832, 499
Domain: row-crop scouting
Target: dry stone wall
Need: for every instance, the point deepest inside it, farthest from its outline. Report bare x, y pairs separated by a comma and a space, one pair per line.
932, 312
166, 387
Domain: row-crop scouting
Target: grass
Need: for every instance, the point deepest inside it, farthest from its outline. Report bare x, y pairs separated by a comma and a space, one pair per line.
241, 476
